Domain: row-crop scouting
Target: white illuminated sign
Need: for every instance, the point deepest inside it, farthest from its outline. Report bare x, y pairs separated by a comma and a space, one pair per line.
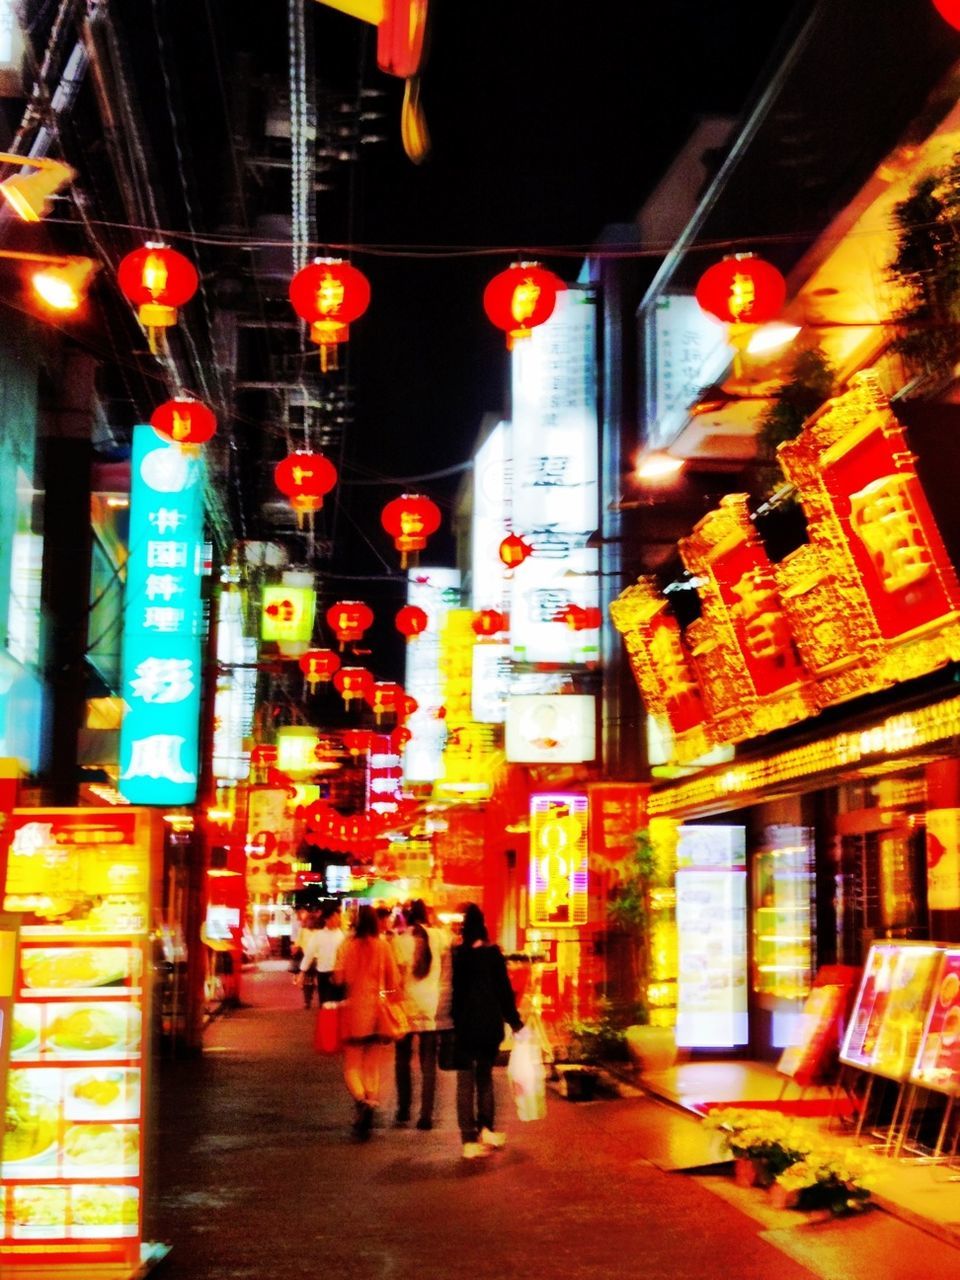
686, 349
551, 728
491, 519
554, 481
436, 591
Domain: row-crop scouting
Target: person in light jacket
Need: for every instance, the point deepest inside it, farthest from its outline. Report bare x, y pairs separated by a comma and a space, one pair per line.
482, 1001
419, 951
365, 966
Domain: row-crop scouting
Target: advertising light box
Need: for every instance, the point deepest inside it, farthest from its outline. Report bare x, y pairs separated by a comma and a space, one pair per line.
711, 887
491, 515
551, 728
558, 860
436, 592
162, 676
938, 1058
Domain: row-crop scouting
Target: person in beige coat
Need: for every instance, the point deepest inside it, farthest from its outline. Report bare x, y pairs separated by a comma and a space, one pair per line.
365, 966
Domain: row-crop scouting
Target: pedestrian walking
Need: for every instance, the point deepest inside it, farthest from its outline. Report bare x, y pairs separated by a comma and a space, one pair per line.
306, 977
419, 950
320, 951
365, 967
482, 1001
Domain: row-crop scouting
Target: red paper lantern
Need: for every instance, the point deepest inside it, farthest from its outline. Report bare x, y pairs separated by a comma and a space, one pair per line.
263, 754
353, 683
318, 666
349, 619
184, 421
513, 550
400, 37
949, 10
488, 622
520, 298
157, 280
742, 289
329, 295
306, 478
399, 739
411, 620
408, 705
357, 741
410, 519
386, 699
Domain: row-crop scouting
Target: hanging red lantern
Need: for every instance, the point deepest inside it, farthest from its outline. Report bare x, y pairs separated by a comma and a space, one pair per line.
513, 550
329, 295
410, 520
356, 741
349, 619
742, 289
399, 739
407, 706
949, 10
521, 298
411, 620
305, 478
184, 421
319, 666
488, 622
385, 697
157, 280
263, 754
353, 683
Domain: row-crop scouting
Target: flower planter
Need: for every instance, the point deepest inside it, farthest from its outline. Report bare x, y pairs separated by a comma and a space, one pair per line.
578, 1084
651, 1049
745, 1172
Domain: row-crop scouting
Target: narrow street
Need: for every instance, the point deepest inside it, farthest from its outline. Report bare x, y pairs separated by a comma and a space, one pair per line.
255, 1177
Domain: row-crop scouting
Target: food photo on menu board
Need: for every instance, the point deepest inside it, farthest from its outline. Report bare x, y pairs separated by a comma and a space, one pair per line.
89, 1211
52, 970
71, 1123
938, 1061
891, 1006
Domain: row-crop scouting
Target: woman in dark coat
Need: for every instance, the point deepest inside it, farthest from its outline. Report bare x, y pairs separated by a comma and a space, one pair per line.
482, 1002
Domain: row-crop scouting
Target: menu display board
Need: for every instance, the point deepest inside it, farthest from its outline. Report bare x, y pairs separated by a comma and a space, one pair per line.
938, 1058
71, 1163
712, 937
890, 1009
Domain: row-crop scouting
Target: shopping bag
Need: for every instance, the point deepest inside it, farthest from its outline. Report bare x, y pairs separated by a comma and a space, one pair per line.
392, 1020
526, 1074
326, 1034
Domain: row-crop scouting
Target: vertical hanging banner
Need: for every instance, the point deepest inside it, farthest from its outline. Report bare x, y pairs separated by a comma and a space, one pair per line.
558, 860
159, 739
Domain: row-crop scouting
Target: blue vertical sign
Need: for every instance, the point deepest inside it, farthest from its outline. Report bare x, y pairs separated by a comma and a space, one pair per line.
162, 674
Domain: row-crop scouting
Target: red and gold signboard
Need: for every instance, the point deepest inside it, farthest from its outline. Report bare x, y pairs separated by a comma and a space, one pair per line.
662, 666
876, 551
938, 1060
766, 685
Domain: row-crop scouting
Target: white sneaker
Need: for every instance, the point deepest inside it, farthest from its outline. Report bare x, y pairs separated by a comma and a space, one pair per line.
475, 1151
492, 1139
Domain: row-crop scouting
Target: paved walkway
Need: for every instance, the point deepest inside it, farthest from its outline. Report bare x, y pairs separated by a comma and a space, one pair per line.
255, 1179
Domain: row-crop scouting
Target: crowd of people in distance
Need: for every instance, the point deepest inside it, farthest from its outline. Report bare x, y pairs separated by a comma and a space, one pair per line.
455, 994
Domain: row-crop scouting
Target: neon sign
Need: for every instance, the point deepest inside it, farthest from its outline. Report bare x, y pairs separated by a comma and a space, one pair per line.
558, 860
159, 738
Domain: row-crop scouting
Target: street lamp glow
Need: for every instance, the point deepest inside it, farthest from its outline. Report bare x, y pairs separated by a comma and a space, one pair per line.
771, 337
63, 286
658, 465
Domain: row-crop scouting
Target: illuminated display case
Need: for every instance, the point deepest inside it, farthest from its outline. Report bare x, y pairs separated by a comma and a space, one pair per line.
782, 914
72, 1156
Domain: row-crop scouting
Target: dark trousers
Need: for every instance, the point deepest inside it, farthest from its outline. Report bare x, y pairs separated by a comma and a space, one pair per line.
428, 1073
475, 1093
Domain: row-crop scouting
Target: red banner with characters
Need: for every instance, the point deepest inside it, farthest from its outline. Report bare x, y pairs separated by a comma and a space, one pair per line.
890, 529
618, 811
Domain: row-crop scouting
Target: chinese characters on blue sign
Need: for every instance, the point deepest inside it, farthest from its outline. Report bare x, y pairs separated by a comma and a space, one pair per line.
159, 740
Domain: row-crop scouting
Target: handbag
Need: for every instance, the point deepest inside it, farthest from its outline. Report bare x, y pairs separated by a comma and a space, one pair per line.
392, 1020
327, 1034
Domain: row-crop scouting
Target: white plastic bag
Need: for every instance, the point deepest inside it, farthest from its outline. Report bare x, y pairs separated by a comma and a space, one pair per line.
527, 1077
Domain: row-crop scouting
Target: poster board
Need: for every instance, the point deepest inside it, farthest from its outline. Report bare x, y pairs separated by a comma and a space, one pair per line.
937, 1064
811, 1055
890, 1010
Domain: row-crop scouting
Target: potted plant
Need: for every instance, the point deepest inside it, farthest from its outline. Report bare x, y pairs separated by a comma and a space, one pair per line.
828, 1177
764, 1144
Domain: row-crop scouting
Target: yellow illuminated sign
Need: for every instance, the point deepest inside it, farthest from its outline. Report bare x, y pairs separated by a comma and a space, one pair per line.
287, 613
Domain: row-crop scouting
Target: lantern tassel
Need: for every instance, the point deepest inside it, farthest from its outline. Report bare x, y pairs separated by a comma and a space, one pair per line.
329, 357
